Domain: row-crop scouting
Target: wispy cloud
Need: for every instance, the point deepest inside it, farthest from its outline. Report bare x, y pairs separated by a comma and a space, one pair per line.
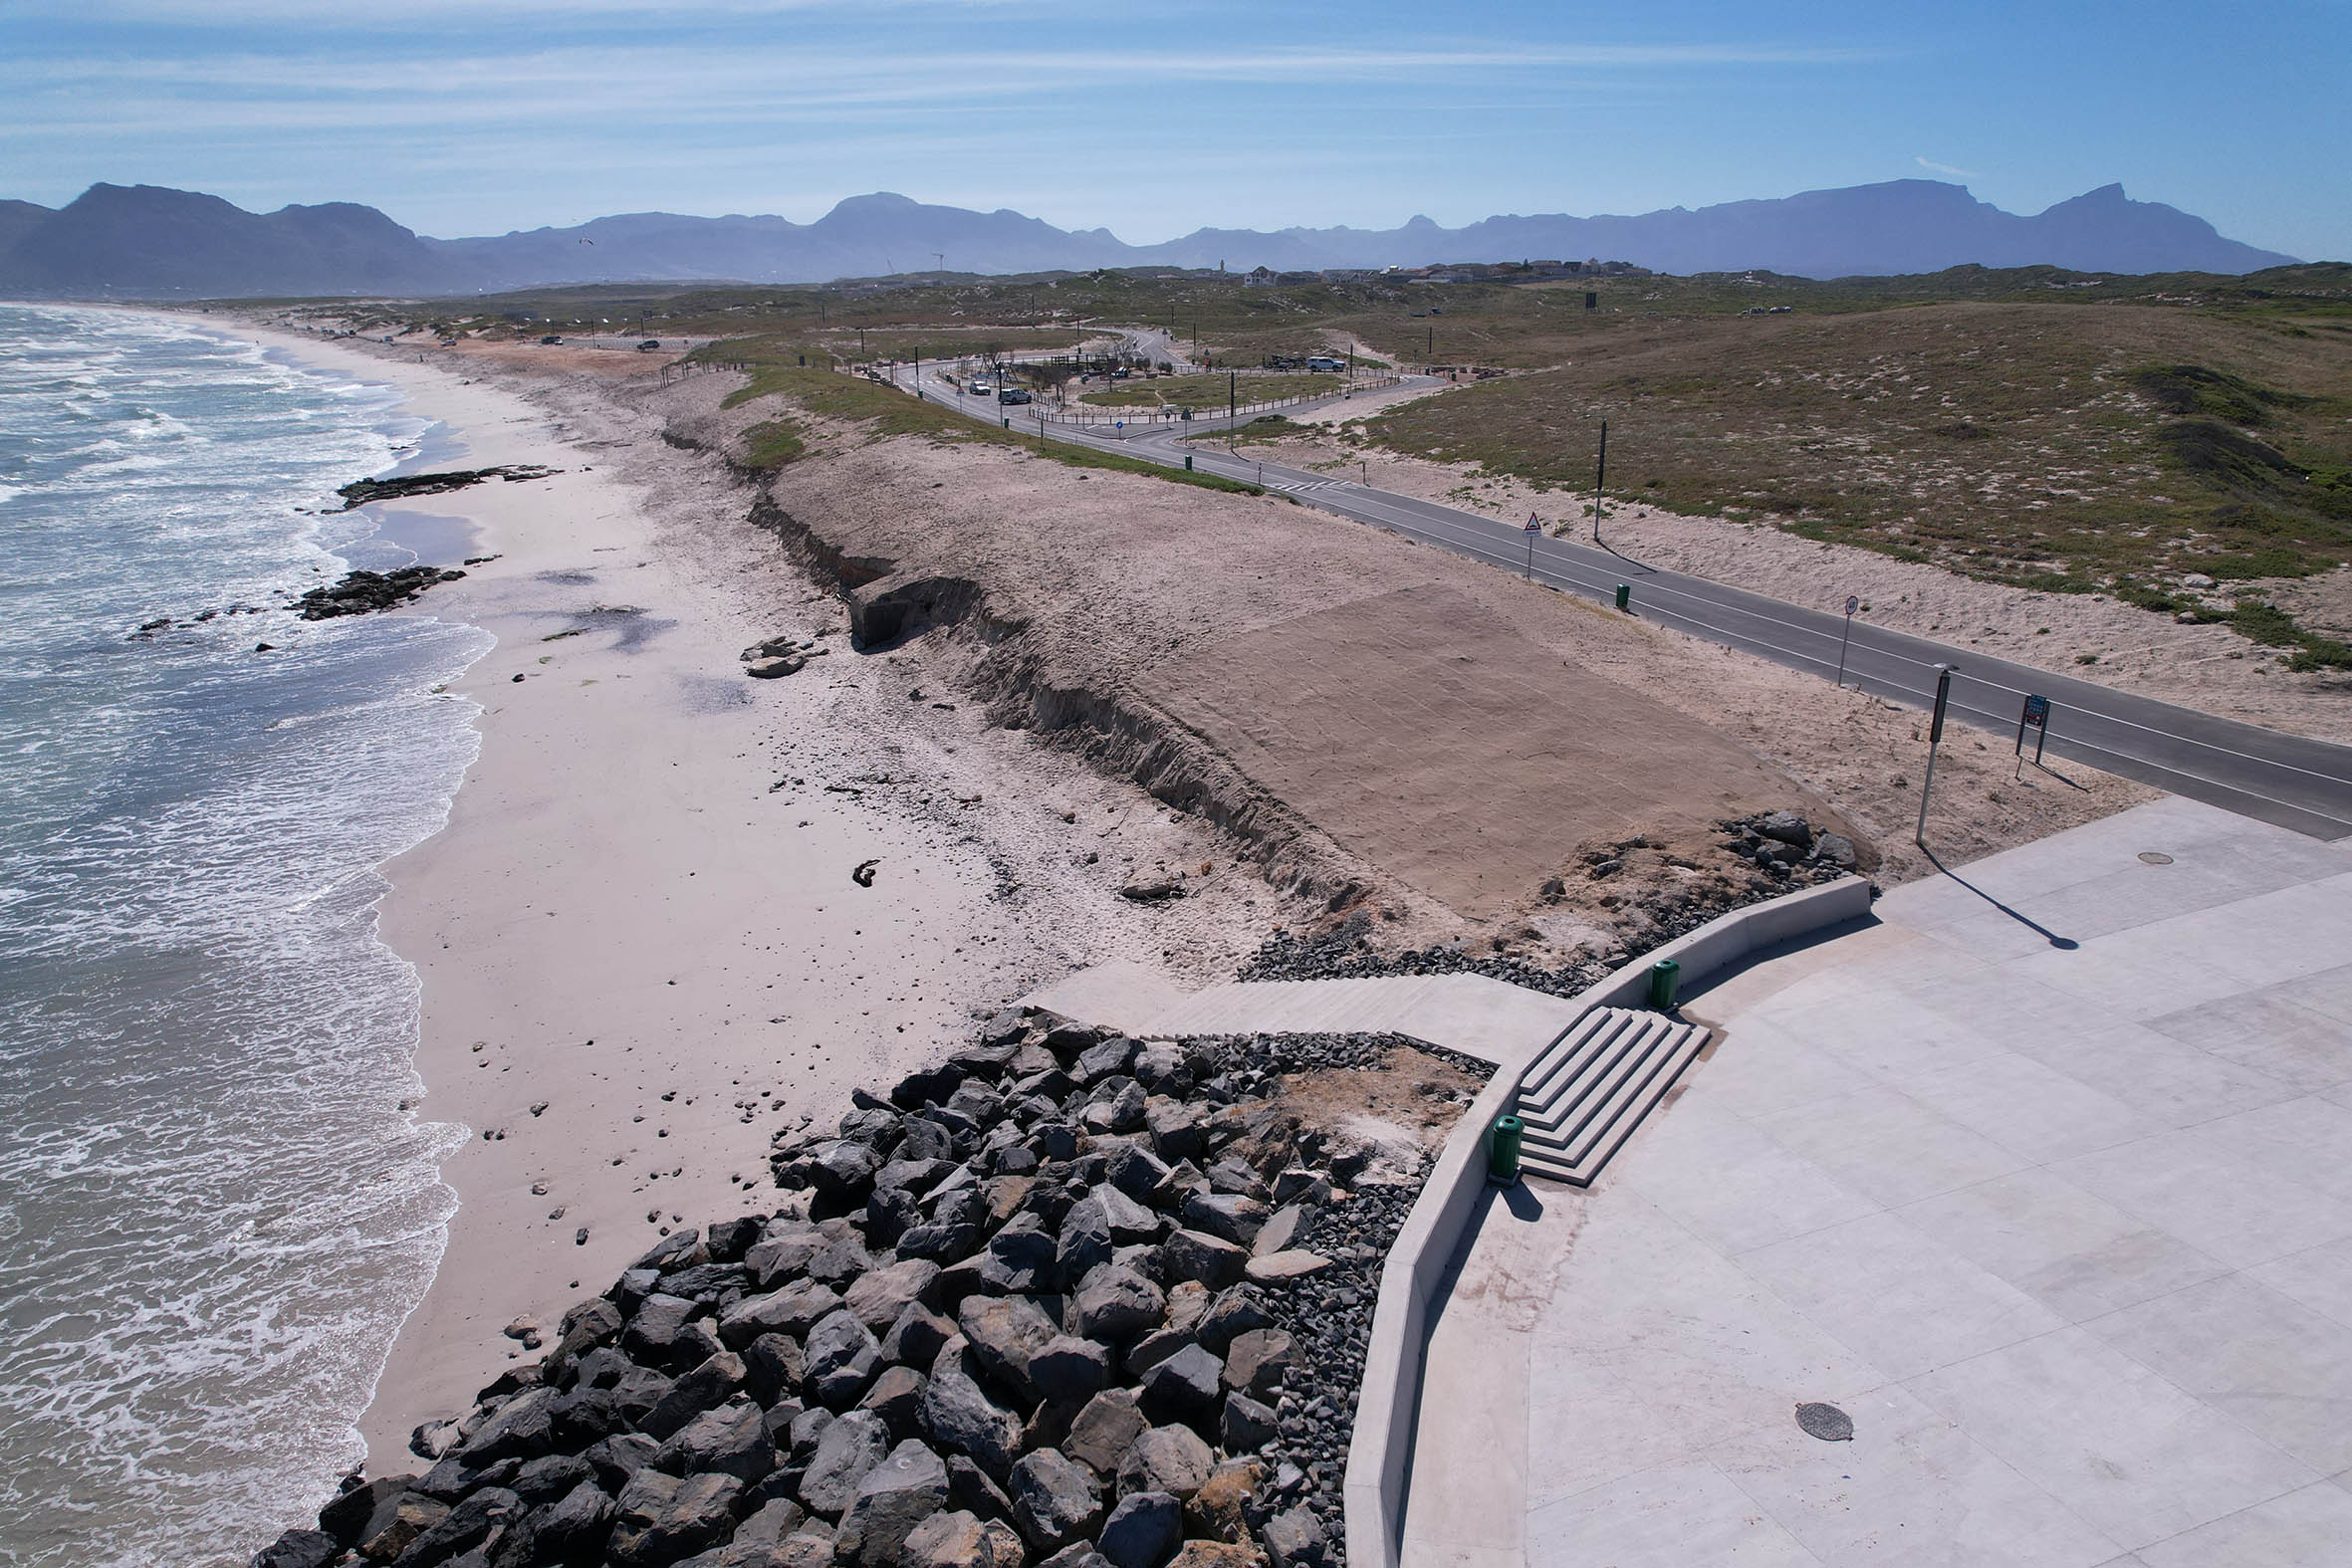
1934, 168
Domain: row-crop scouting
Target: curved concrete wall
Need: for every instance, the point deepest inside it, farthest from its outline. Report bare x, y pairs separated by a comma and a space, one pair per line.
1388, 1404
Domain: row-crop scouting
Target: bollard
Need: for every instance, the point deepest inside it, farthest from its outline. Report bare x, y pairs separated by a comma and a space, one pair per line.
1625, 597
1502, 1150
1665, 978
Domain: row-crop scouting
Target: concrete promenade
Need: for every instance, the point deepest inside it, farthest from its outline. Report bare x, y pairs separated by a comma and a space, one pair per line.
2045, 1178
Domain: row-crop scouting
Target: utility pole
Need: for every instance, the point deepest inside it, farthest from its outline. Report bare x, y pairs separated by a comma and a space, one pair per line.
1600, 475
1944, 673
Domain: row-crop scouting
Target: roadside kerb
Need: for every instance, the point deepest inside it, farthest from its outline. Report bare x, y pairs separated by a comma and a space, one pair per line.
1388, 1404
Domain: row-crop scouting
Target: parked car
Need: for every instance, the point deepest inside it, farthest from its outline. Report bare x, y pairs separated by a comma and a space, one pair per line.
1325, 363
648, 345
1014, 394
551, 339
978, 389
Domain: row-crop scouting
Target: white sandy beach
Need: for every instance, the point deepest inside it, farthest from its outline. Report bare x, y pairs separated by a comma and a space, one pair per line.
642, 913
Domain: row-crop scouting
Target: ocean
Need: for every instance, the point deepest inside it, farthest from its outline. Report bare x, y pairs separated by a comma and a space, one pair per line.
216, 1205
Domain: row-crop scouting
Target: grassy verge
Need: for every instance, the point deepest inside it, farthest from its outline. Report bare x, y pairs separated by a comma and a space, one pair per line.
881, 411
772, 446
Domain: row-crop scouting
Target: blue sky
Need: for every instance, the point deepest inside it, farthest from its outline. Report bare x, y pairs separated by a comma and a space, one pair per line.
1156, 116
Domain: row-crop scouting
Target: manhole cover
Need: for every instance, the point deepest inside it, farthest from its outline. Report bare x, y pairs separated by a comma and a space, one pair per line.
2155, 857
1825, 1422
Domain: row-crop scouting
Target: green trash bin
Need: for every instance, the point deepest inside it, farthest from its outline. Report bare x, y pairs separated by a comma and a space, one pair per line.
1502, 1150
1665, 979
1625, 597
1188, 462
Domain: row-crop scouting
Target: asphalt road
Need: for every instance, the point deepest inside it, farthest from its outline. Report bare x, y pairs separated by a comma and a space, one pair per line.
2287, 779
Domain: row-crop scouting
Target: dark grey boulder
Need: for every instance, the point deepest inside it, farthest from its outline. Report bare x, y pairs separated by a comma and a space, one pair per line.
773, 1367
844, 1169
729, 1440
656, 1327
707, 1387
1004, 1332
1066, 1369
1257, 1360
1190, 1381
1246, 1426
1098, 1062
1229, 1215
1130, 1220
1296, 1539
961, 1418
896, 1394
1085, 1242
916, 1335
878, 1296
349, 1518
907, 1487
1235, 1310
842, 1357
961, 1539
1116, 1304
791, 1309
550, 1476
570, 1529
462, 1527
523, 1429
1211, 1260
299, 1549
1172, 1459
971, 1489
1103, 1430
1143, 1531
848, 1448
782, 1251
1054, 1498
652, 1532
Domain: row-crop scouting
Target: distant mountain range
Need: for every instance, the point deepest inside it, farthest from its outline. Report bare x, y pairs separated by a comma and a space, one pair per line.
147, 242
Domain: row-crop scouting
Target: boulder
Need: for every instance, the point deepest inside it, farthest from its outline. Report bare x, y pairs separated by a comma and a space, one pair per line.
1137, 1172
772, 1522
907, 1487
655, 1525
359, 1511
1189, 1381
961, 1540
842, 1169
773, 1367
792, 1309
1257, 1360
1296, 1539
1838, 850
1166, 1459
411, 1514
1234, 1311
961, 1418
1178, 1130
299, 1549
1085, 1242
462, 1526
1118, 1108
1106, 1429
1283, 1226
1230, 1216
1004, 1333
1055, 1500
1785, 826
1211, 1260
1143, 1531
1246, 1425
570, 1529
1293, 1264
782, 1251
1112, 1057
970, 1488
1020, 1257
897, 1396
1066, 1369
845, 1450
523, 1428
1116, 1304
654, 1333
842, 1357
719, 1379
729, 1440
1129, 1219
916, 1335
879, 1296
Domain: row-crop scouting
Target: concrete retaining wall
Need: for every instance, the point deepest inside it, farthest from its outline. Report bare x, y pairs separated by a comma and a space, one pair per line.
1388, 1404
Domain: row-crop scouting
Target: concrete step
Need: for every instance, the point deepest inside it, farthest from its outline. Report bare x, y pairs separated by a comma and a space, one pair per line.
1596, 1085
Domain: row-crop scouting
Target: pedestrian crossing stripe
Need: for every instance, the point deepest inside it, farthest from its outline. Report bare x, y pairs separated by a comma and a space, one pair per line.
1298, 486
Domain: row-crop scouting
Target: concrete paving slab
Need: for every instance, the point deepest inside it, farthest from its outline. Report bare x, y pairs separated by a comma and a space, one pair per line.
2179, 1183
2028, 1108
1895, 1297
2281, 1370
2303, 1529
1912, 1489
2320, 1280
2073, 1251
1682, 1517
2119, 1445
1885, 1145
2067, 1230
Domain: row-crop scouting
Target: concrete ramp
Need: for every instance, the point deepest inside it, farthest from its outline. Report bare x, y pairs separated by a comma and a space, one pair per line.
1490, 1019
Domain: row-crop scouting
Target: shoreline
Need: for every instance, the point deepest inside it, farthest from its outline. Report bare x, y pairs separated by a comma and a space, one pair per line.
639, 946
